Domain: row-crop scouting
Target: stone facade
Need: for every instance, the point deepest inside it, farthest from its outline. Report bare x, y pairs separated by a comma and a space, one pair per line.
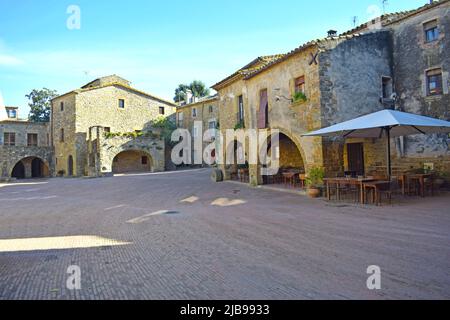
122, 154
413, 57
345, 77
25, 149
110, 103
206, 111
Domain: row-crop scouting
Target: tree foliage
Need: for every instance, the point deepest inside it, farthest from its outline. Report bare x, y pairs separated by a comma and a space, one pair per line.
40, 104
166, 127
180, 92
198, 89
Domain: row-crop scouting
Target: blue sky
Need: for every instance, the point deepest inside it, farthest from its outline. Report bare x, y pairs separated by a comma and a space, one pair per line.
158, 44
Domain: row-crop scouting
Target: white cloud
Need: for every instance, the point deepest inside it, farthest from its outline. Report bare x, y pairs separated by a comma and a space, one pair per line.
7, 60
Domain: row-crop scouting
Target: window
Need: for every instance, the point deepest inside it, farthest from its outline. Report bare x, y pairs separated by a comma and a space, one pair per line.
161, 110
32, 139
434, 82
9, 139
212, 124
144, 160
62, 106
180, 119
61, 137
194, 112
431, 31
211, 109
107, 129
121, 104
299, 84
387, 87
12, 113
240, 109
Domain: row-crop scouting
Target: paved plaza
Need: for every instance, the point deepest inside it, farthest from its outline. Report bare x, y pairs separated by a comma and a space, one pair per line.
180, 236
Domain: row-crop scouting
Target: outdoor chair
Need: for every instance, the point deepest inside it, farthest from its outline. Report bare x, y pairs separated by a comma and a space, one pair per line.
349, 192
302, 180
429, 185
394, 188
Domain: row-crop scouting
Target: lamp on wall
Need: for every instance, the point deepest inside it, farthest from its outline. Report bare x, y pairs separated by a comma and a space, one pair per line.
278, 97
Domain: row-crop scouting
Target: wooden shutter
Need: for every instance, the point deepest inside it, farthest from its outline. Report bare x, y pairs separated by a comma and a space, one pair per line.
263, 105
299, 84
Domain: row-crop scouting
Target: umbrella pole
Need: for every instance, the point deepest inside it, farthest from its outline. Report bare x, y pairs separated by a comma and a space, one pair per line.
389, 164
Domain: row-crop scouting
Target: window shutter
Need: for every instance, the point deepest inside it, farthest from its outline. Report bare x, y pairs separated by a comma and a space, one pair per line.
262, 110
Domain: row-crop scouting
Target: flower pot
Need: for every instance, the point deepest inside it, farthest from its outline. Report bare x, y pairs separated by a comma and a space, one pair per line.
313, 192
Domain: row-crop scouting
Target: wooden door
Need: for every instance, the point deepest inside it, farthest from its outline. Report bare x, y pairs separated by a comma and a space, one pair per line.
355, 155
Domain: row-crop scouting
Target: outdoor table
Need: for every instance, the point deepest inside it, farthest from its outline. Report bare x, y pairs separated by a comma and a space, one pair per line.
421, 178
289, 177
376, 186
347, 181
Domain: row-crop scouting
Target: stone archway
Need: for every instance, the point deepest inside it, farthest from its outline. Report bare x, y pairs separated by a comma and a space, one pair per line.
30, 167
132, 161
18, 171
289, 154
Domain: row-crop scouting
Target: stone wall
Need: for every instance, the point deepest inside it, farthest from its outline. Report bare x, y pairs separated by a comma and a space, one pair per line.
203, 115
412, 58
100, 107
292, 119
11, 155
351, 86
103, 150
64, 119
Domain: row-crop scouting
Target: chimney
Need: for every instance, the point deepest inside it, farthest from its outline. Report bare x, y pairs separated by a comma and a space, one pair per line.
189, 96
332, 33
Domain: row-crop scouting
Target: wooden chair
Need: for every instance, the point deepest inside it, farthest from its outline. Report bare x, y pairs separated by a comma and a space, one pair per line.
302, 178
429, 185
394, 188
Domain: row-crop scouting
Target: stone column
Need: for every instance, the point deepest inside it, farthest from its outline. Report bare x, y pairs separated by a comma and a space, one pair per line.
27, 165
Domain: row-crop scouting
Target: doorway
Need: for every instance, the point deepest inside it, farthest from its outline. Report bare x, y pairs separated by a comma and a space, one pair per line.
355, 157
70, 166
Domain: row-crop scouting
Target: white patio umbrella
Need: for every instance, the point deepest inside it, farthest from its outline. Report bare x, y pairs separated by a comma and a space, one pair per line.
386, 123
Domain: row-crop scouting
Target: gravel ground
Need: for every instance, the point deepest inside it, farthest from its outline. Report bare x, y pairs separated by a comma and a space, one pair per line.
181, 236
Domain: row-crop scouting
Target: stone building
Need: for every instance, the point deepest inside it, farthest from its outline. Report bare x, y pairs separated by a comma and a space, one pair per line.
106, 127
25, 148
202, 111
397, 61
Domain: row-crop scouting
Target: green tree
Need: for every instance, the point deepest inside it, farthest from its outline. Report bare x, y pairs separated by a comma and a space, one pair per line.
198, 89
40, 104
180, 92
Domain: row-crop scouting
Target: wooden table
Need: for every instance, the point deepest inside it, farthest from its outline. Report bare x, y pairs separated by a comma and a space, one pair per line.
421, 178
289, 177
376, 186
347, 181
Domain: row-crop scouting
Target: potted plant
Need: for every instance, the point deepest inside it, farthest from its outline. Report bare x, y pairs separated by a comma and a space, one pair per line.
314, 181
299, 97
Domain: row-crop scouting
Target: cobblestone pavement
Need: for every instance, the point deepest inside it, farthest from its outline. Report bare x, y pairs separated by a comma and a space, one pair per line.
180, 236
